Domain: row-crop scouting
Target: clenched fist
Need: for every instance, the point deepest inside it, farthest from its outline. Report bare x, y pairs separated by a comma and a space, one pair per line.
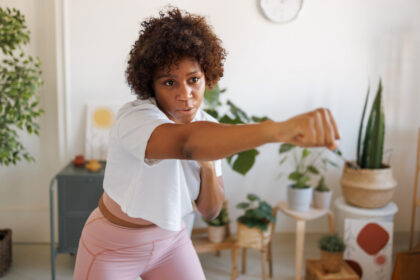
313, 129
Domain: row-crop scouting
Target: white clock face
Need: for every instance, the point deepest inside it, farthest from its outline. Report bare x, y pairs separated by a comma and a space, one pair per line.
281, 11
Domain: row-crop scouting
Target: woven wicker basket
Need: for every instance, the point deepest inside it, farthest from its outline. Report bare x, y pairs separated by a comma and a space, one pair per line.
331, 262
368, 188
5, 250
253, 237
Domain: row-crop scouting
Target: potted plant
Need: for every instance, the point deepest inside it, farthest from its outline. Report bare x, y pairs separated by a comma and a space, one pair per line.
322, 195
20, 79
216, 228
307, 163
332, 249
368, 182
255, 226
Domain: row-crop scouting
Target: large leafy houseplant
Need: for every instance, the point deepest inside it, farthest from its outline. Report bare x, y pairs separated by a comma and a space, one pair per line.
257, 213
368, 182
20, 80
243, 161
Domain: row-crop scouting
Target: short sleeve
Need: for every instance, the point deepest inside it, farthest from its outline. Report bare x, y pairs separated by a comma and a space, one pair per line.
135, 127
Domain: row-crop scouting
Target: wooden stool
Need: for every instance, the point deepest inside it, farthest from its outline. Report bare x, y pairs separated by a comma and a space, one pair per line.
261, 241
314, 271
301, 219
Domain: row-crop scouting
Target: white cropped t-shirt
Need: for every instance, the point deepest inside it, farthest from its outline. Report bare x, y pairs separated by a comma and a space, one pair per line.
160, 191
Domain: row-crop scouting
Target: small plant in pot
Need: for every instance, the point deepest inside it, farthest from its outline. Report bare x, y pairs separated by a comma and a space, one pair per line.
256, 224
368, 182
332, 249
307, 163
322, 195
217, 227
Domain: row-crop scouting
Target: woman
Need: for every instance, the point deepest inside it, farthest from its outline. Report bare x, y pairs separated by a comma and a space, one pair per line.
165, 152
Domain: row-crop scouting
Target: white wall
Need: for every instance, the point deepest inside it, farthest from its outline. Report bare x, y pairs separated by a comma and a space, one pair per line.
24, 203
324, 58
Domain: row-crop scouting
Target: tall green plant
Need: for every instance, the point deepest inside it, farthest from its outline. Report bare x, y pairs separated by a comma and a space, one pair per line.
241, 162
370, 156
20, 79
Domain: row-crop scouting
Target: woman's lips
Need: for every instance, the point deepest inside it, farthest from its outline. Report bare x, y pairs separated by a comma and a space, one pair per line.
186, 110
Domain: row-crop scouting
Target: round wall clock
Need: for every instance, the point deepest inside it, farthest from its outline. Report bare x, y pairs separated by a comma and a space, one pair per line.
281, 11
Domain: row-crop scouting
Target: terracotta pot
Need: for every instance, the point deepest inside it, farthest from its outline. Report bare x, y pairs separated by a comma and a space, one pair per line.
331, 262
253, 237
216, 233
299, 199
79, 160
322, 200
368, 188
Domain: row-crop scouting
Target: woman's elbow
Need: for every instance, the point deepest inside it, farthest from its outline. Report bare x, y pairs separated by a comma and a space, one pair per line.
211, 215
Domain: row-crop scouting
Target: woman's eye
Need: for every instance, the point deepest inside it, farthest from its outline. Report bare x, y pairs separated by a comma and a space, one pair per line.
169, 83
195, 79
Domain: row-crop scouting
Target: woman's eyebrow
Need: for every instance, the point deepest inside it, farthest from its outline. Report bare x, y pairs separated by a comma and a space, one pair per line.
164, 76
193, 72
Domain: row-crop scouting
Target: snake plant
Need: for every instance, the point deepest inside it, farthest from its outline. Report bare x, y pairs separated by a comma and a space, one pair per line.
370, 155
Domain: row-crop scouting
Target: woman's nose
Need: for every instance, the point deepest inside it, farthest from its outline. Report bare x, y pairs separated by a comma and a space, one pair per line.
185, 93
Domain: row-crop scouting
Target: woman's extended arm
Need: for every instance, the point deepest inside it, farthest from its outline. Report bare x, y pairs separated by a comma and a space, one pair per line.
206, 141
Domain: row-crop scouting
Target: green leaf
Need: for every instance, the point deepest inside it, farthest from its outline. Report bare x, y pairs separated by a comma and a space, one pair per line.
285, 148
259, 119
359, 140
228, 120
237, 112
243, 205
283, 160
295, 176
305, 153
313, 169
212, 112
253, 197
244, 161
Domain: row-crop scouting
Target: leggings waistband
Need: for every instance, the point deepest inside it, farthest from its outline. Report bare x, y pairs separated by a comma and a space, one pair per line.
116, 220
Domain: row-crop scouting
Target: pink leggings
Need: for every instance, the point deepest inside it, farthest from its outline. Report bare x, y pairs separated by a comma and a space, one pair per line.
108, 252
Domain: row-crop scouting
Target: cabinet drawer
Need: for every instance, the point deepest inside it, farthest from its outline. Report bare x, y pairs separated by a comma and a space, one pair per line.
78, 193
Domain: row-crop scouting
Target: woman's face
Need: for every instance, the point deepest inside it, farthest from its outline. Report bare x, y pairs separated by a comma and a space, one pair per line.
180, 91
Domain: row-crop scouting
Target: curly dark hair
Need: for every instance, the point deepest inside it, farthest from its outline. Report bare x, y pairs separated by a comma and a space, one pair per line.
164, 40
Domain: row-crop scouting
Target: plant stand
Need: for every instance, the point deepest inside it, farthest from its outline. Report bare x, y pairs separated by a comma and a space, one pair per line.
301, 218
256, 238
314, 271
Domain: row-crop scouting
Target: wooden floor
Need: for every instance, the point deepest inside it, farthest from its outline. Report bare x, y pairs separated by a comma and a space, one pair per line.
32, 261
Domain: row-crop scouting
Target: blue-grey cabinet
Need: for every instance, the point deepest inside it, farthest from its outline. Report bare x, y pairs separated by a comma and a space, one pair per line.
78, 193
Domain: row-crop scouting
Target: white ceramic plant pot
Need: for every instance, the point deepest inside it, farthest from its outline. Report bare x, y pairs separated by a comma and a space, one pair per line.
216, 233
299, 199
322, 200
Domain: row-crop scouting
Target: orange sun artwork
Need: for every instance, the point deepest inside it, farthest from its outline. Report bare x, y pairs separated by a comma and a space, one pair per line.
103, 118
